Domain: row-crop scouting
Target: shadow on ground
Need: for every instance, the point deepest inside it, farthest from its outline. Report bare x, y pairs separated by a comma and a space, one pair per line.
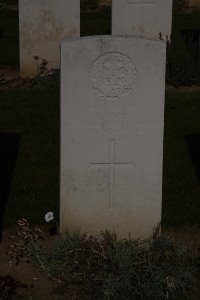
9, 146
193, 144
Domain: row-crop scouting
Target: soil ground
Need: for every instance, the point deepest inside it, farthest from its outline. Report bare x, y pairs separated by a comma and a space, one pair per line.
39, 286
9, 72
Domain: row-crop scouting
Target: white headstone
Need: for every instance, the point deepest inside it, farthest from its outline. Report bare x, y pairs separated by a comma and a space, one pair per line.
112, 118
42, 26
145, 18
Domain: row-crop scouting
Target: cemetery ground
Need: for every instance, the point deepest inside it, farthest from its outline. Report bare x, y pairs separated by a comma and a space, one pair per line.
30, 128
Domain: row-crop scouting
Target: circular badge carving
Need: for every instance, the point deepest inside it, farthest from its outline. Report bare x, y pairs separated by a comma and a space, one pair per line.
113, 75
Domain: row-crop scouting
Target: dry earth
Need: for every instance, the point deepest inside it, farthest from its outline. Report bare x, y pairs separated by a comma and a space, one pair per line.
39, 287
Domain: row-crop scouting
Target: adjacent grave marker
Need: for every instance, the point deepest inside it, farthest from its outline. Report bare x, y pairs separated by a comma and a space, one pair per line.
112, 119
146, 18
42, 26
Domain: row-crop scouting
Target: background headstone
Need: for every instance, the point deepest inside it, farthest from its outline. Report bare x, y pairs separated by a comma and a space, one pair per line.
42, 25
112, 119
145, 18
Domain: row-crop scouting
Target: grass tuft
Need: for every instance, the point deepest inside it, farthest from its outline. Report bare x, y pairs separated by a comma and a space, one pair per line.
106, 268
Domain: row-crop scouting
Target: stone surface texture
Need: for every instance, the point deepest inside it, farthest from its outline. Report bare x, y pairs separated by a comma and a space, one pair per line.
144, 18
112, 119
42, 26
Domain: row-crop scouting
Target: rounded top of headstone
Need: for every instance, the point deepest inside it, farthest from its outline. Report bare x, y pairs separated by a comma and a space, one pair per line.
113, 74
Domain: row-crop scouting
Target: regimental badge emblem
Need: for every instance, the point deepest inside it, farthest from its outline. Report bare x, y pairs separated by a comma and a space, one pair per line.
113, 75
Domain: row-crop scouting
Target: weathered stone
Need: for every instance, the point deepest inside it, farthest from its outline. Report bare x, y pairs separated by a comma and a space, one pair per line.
144, 18
112, 119
42, 26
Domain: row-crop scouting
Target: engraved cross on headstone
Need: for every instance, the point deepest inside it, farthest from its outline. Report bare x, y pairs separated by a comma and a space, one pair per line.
112, 164
142, 4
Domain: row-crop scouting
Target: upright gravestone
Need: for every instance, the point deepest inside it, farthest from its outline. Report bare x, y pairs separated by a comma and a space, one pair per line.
42, 26
112, 119
144, 18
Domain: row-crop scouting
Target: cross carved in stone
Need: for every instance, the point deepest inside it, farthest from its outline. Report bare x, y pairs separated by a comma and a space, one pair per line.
111, 165
142, 5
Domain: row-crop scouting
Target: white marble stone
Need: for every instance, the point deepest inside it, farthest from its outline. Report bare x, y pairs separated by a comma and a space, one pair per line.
112, 118
42, 26
144, 18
